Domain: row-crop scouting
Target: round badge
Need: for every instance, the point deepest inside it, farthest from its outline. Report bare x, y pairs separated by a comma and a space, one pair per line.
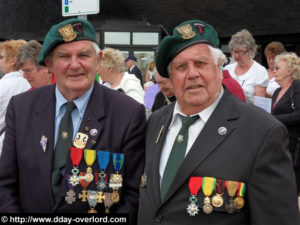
93, 132
222, 130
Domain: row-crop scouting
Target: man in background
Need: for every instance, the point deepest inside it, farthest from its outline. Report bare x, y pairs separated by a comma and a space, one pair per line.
130, 62
166, 94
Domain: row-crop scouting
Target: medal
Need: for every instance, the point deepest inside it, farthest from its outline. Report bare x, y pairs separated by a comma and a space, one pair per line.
84, 184
195, 184
103, 161
116, 180
89, 157
92, 200
208, 186
239, 200
80, 140
217, 200
107, 201
70, 195
76, 156
231, 187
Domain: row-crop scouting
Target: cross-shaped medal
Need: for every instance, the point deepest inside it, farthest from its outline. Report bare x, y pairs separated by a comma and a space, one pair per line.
100, 197
83, 196
230, 208
70, 197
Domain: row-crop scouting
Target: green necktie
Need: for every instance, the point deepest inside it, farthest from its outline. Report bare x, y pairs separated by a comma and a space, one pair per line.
177, 154
64, 140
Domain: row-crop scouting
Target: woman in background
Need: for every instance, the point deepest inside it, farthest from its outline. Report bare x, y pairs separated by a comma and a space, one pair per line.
112, 73
286, 102
252, 76
273, 49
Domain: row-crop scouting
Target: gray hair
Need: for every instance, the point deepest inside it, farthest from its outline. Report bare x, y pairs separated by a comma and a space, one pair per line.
29, 53
217, 54
245, 39
292, 63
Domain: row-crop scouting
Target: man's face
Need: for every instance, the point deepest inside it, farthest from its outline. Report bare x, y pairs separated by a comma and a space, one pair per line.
37, 77
75, 66
196, 79
4, 62
165, 85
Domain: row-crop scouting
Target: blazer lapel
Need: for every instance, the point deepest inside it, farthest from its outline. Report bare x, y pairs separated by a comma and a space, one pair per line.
160, 136
216, 130
43, 126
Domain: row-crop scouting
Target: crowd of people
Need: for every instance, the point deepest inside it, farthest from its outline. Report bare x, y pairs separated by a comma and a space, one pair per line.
185, 144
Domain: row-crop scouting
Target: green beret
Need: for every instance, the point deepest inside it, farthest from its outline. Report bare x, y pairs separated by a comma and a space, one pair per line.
186, 34
64, 32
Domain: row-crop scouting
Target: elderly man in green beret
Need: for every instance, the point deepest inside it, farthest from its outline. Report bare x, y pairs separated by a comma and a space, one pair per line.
67, 148
210, 158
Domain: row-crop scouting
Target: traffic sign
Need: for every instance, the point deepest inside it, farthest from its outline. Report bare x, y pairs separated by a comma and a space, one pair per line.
80, 7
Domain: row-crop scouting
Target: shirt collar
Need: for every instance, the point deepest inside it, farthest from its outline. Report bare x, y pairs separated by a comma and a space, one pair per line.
81, 103
204, 114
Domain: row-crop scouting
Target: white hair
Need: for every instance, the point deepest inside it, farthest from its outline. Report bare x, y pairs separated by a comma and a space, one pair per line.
217, 54
96, 48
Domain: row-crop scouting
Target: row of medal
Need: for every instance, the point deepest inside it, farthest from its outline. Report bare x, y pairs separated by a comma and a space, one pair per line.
210, 186
100, 179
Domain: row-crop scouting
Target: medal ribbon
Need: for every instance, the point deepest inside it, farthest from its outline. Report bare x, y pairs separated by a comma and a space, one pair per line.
84, 184
118, 160
76, 155
103, 159
195, 184
232, 187
220, 184
208, 185
241, 189
89, 156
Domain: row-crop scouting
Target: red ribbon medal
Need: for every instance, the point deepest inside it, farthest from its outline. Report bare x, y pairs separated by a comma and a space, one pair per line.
195, 184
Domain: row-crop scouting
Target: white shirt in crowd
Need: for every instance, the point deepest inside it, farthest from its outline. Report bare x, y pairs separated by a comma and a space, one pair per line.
11, 84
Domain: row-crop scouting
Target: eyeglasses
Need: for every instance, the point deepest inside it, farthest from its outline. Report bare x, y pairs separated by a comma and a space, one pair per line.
240, 53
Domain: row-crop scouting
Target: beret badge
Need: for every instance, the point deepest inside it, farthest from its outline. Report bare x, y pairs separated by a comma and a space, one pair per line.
186, 31
67, 33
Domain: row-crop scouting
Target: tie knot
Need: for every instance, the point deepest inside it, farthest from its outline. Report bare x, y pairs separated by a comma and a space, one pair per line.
70, 107
188, 120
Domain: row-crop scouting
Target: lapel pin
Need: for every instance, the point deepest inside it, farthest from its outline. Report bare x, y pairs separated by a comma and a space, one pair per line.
86, 128
180, 138
159, 134
222, 130
93, 132
43, 142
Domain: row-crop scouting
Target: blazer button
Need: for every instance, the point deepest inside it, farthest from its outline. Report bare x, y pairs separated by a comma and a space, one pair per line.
158, 219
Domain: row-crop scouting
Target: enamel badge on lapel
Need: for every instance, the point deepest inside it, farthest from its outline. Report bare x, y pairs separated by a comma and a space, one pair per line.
93, 132
222, 130
43, 143
80, 140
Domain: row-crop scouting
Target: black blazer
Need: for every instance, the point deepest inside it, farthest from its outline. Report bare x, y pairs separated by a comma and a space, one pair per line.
284, 112
253, 150
136, 71
25, 170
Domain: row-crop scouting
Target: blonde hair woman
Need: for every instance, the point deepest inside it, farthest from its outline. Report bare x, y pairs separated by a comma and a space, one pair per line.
112, 73
286, 102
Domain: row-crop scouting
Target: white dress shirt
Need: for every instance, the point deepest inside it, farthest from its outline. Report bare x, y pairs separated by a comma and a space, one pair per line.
194, 131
